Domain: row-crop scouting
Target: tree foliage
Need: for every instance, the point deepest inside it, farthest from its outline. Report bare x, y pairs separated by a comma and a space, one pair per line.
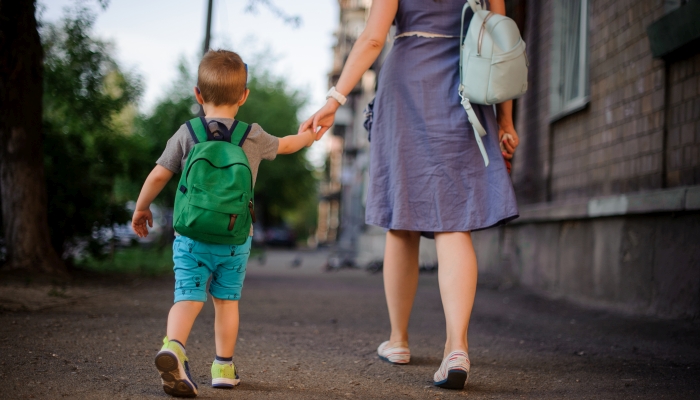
98, 149
293, 20
177, 106
285, 185
88, 145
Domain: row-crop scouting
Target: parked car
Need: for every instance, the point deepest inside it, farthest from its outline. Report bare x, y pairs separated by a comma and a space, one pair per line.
280, 236
123, 234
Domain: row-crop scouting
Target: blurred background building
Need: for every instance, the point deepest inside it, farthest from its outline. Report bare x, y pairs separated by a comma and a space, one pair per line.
608, 171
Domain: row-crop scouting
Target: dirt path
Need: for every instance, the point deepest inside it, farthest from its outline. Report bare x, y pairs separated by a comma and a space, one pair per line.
306, 334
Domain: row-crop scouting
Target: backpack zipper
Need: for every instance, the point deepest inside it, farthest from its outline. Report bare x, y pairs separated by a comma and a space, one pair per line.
225, 166
232, 221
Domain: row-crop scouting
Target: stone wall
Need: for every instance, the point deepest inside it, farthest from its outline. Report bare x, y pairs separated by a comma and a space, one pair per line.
642, 264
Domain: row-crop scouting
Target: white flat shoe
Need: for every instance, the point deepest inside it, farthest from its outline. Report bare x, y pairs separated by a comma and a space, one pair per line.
453, 372
394, 355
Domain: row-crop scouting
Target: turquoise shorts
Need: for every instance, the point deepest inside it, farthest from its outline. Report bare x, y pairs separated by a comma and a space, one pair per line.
195, 261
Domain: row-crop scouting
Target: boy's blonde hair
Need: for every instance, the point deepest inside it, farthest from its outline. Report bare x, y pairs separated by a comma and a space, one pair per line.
221, 77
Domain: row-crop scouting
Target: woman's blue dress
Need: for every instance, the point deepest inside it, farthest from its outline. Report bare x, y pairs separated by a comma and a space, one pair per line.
426, 171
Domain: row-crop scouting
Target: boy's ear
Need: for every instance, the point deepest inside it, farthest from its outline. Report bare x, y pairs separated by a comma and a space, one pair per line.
244, 97
198, 95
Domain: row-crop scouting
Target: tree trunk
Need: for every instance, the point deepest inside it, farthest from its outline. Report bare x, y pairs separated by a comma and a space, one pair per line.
22, 182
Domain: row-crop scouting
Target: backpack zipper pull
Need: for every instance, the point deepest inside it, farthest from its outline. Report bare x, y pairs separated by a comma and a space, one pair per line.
232, 221
251, 209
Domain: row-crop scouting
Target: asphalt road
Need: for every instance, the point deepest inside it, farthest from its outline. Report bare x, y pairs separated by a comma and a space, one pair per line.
309, 334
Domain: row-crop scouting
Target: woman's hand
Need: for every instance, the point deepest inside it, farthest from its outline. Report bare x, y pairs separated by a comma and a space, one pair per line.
322, 120
508, 139
507, 136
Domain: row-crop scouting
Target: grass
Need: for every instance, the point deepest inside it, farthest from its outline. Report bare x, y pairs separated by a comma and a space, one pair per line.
133, 261
139, 261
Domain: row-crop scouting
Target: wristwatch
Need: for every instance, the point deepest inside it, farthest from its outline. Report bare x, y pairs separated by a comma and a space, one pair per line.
336, 95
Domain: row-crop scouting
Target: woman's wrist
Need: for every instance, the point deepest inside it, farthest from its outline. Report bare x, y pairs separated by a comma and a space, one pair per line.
333, 104
505, 123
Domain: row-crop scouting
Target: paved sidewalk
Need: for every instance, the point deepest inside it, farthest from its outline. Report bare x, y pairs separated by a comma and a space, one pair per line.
308, 334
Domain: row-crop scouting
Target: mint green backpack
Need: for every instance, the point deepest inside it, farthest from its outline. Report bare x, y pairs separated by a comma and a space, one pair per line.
492, 63
214, 200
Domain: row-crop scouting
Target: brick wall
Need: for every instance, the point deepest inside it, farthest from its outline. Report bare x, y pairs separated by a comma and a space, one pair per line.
617, 144
683, 111
640, 131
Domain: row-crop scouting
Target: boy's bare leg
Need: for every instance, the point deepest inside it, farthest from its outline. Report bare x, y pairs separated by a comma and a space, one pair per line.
181, 318
225, 326
171, 360
400, 281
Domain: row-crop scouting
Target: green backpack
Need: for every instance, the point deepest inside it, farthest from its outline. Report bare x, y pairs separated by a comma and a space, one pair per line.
214, 200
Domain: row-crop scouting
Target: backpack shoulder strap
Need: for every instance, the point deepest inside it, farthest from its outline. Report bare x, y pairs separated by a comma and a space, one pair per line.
461, 49
197, 129
239, 132
476, 5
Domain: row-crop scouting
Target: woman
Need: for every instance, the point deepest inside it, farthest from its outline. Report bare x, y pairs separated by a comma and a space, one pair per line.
427, 175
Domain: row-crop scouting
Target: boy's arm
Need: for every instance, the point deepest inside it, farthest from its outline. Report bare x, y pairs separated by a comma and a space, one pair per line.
155, 182
293, 143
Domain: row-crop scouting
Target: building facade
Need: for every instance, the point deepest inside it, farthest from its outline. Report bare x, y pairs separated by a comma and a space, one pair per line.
608, 168
607, 174
341, 208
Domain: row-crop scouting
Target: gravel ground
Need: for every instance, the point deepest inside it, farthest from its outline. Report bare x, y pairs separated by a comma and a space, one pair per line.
308, 334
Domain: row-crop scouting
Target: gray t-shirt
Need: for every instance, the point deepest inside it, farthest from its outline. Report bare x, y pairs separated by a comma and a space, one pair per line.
259, 146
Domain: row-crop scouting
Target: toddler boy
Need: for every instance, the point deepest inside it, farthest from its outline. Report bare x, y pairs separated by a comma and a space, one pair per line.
221, 90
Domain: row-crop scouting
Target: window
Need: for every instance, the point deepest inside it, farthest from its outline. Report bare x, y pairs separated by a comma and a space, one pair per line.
670, 5
569, 86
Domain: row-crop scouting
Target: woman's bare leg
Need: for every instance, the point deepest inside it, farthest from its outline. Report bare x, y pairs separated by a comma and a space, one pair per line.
457, 274
400, 281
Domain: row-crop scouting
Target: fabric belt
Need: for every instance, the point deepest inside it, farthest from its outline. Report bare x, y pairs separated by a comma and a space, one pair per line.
423, 34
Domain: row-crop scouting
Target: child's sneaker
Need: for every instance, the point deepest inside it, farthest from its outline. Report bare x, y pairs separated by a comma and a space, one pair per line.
172, 363
224, 376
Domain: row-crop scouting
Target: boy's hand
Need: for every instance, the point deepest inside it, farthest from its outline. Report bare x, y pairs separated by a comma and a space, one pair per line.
293, 143
139, 220
310, 137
